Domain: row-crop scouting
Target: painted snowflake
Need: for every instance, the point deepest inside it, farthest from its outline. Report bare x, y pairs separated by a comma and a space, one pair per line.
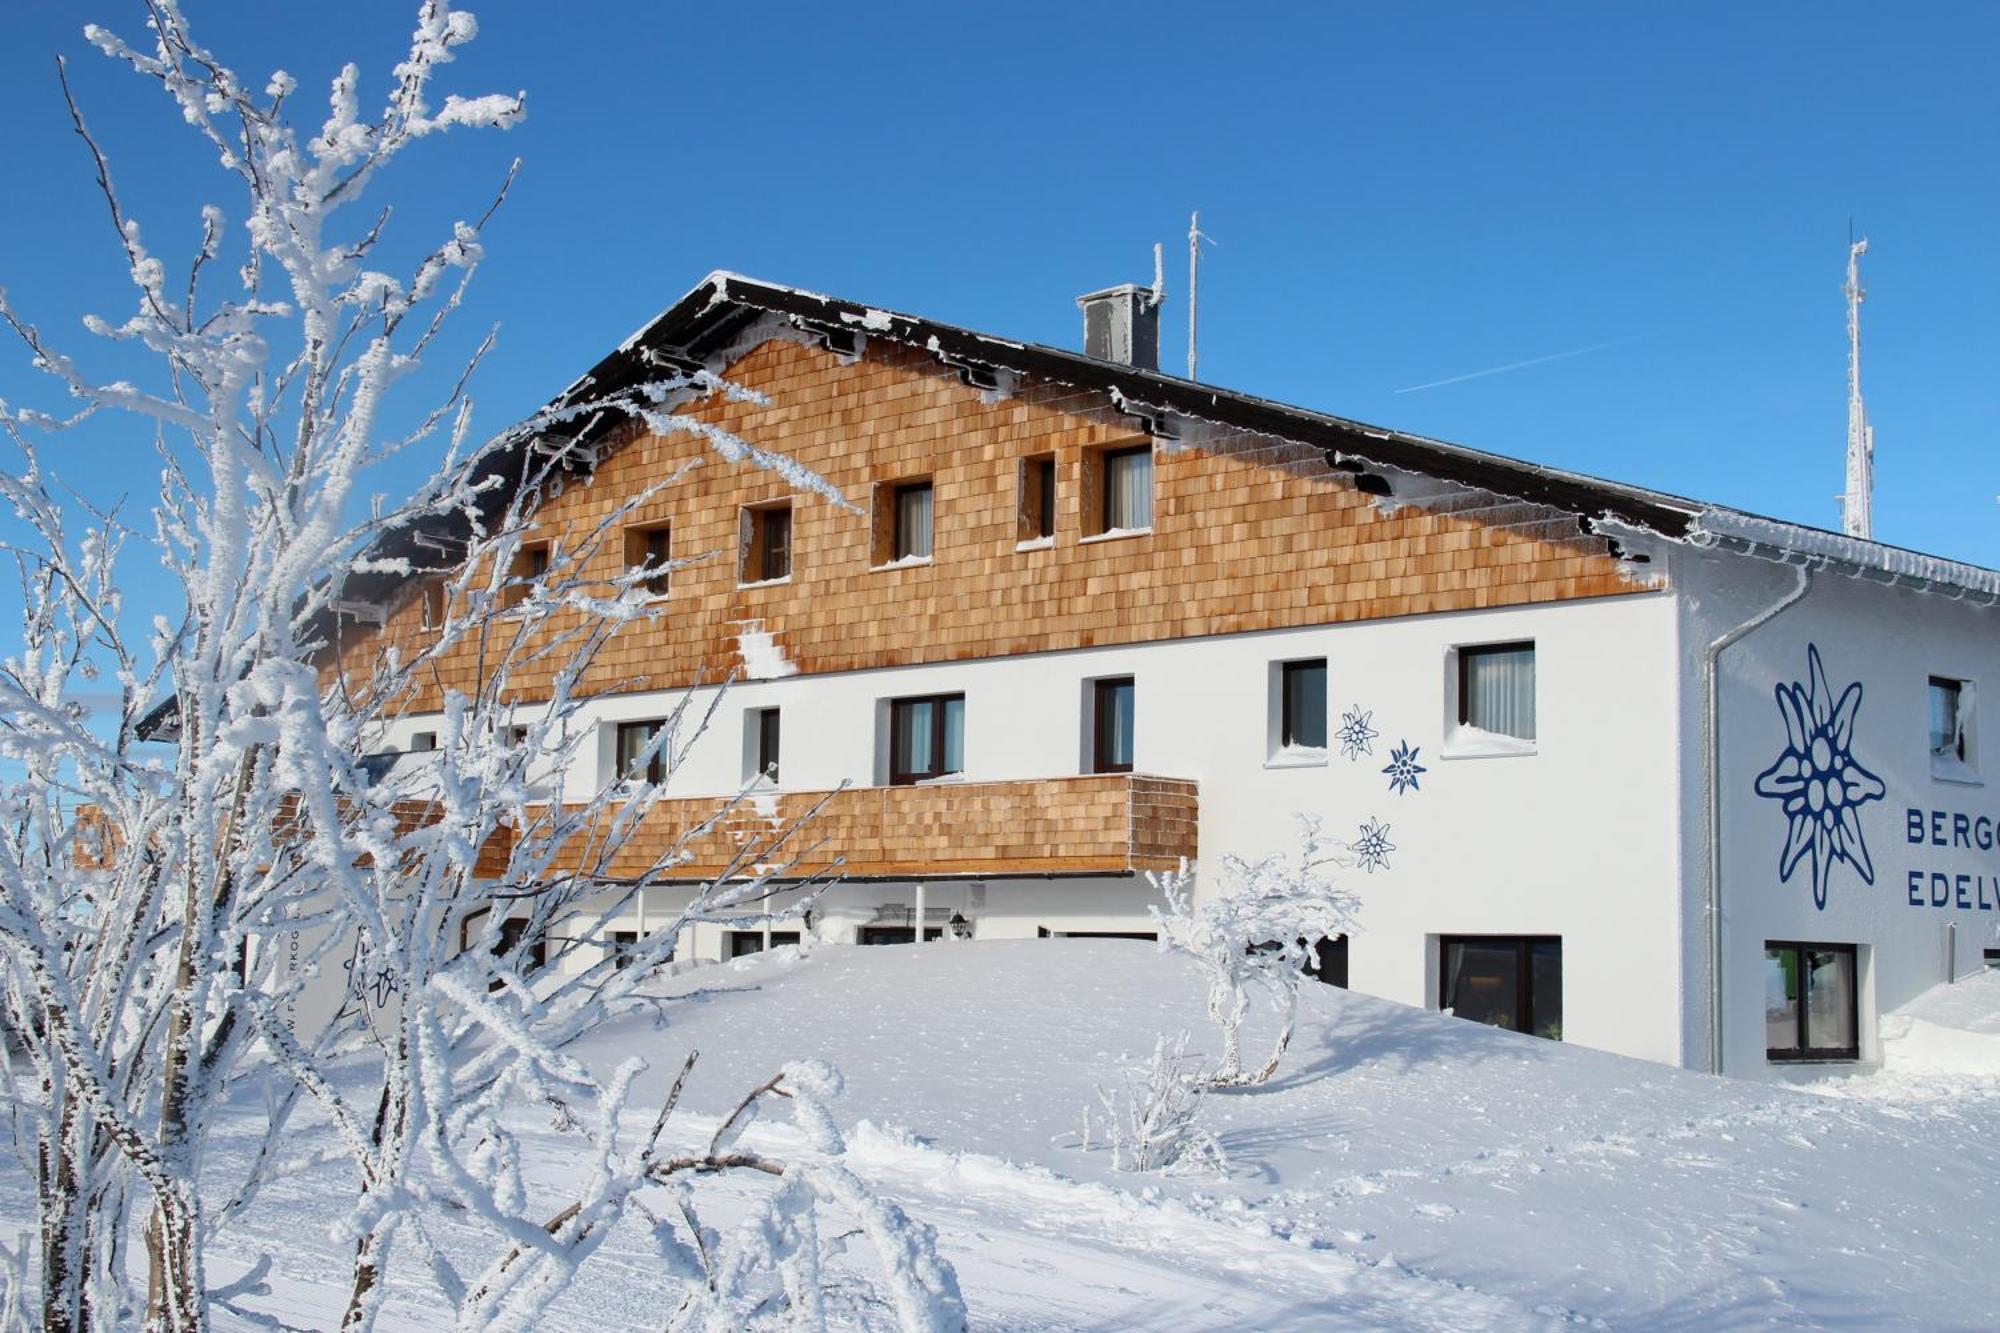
1819, 782
1356, 736
1403, 769
1372, 846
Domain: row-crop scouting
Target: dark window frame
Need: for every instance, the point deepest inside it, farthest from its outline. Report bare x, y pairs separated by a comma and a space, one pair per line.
897, 494
898, 777
872, 935
1805, 1053
1524, 993
1957, 688
1107, 495
655, 767
1038, 498
1287, 722
649, 547
513, 930
1467, 654
423, 742
770, 734
531, 563
776, 563
1101, 691
622, 945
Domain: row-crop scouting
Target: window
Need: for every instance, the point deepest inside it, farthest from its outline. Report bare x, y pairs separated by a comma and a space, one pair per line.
903, 522
1329, 961
432, 608
648, 549
913, 521
423, 742
1038, 498
633, 738
767, 543
1951, 728
1125, 489
531, 563
926, 738
765, 720
509, 946
623, 943
1810, 1000
1496, 689
1508, 981
1111, 725
1992, 958
897, 934
1302, 719
744, 942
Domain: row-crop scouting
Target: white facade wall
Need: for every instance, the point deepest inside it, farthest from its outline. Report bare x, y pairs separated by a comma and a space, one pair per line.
1575, 836
1890, 642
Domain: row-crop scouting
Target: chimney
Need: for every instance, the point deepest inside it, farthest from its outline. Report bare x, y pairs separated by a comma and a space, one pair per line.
1122, 324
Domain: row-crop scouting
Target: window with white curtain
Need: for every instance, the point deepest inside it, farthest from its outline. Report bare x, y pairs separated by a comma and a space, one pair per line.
1496, 689
1128, 488
913, 521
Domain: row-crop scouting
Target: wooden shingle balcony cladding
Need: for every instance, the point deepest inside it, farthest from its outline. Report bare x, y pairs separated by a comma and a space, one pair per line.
1112, 823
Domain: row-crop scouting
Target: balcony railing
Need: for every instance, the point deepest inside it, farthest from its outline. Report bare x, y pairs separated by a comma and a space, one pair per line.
1111, 823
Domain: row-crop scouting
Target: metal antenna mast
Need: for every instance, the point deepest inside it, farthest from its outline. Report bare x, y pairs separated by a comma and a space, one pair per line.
1195, 237
1857, 506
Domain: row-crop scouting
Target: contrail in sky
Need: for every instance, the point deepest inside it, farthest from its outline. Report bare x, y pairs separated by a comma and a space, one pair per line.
1531, 361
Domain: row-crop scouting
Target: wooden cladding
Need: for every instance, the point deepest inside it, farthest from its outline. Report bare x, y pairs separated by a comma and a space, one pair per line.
1251, 533
1097, 824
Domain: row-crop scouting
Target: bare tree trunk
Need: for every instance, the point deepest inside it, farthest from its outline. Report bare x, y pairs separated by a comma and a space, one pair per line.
64, 1262
364, 1298
176, 1295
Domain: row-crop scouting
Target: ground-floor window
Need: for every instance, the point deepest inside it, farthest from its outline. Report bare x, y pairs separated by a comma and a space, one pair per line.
623, 942
1509, 981
1811, 1002
1043, 932
742, 942
1993, 958
1329, 961
898, 934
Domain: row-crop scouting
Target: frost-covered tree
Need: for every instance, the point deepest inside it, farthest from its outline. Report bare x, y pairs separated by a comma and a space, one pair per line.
168, 905
1255, 936
1151, 1119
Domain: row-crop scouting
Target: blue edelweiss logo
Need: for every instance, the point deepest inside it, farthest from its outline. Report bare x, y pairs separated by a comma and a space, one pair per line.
1356, 734
1371, 847
1403, 769
1818, 780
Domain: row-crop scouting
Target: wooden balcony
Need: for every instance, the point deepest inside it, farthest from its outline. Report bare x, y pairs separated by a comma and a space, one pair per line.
1108, 824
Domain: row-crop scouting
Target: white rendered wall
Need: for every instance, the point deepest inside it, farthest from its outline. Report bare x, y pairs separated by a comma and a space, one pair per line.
1577, 838
1890, 642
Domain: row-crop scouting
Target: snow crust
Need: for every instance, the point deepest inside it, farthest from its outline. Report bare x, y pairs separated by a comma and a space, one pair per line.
1404, 1170
762, 658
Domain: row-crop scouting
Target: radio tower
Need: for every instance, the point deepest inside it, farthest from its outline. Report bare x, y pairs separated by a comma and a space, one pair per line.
1856, 507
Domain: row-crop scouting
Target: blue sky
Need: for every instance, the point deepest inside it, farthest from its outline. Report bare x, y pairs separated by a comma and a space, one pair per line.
1402, 194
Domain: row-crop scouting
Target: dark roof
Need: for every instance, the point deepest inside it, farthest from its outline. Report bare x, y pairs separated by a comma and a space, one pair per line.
718, 311
723, 306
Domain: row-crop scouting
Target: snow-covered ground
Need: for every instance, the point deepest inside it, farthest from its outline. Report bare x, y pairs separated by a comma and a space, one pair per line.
1404, 1170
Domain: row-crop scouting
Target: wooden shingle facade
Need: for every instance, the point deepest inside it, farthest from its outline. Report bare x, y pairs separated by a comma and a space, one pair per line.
1249, 532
